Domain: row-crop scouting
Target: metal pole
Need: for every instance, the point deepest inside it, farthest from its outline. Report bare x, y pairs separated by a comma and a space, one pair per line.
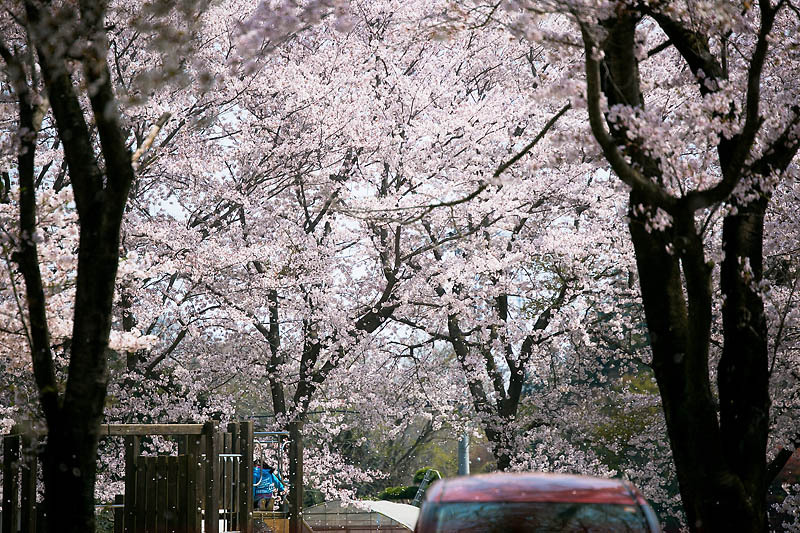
463, 455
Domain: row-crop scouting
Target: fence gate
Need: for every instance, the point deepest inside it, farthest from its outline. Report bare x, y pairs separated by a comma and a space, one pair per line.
164, 499
205, 487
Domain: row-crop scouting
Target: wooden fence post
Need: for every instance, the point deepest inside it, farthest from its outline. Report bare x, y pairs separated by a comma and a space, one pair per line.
212, 474
151, 494
232, 481
187, 506
131, 473
226, 448
30, 462
193, 491
141, 496
245, 520
171, 518
10, 482
162, 478
119, 514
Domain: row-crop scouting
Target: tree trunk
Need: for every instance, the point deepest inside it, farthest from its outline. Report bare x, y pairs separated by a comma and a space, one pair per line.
680, 364
69, 471
70, 455
296, 476
743, 371
498, 432
503, 458
720, 462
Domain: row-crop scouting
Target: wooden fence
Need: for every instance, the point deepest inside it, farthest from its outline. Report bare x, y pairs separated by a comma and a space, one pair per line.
207, 485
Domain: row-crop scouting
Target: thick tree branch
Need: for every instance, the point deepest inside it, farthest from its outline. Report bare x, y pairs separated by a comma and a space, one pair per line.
85, 176
163, 355
775, 466
119, 168
461, 349
734, 152
782, 150
27, 257
653, 192
694, 49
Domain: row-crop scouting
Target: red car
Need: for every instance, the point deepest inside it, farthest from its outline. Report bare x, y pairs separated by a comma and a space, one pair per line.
528, 502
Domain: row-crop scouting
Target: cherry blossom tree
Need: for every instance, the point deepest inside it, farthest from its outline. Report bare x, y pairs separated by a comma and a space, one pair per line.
153, 55
723, 150
100, 192
312, 173
64, 249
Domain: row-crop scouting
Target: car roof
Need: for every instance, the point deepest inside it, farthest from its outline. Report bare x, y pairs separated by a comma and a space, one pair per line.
533, 487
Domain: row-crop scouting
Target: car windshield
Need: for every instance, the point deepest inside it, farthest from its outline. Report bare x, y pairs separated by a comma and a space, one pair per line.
497, 517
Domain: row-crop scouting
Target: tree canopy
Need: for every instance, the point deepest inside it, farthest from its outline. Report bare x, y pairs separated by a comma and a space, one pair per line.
566, 228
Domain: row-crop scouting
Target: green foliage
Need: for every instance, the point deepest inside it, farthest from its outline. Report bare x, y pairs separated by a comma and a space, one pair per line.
312, 496
420, 474
612, 439
399, 493
643, 382
615, 440
408, 492
104, 521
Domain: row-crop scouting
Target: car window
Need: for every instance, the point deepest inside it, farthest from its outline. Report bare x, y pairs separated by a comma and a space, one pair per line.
497, 517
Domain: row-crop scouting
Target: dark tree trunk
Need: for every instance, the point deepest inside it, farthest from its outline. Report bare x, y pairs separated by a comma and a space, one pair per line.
720, 461
500, 449
69, 470
743, 371
69, 458
679, 341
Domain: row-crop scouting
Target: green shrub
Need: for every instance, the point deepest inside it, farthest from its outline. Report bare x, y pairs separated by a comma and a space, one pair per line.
420, 475
399, 493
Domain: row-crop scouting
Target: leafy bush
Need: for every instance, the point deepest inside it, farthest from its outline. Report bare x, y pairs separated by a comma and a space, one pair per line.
399, 493
420, 475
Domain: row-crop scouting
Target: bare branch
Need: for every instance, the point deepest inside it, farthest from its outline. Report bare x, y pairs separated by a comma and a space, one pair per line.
534, 142
148, 141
